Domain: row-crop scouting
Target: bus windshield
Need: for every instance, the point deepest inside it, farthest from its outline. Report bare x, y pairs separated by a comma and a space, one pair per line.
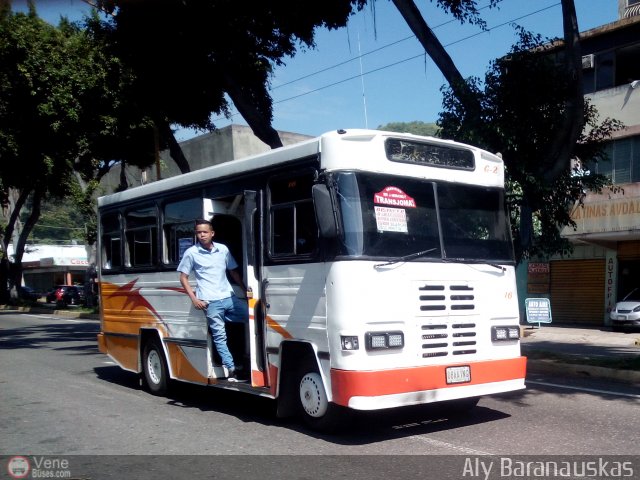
387, 217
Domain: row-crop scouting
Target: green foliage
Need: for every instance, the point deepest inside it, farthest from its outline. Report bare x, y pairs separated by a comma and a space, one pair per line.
523, 99
415, 127
60, 223
185, 55
59, 97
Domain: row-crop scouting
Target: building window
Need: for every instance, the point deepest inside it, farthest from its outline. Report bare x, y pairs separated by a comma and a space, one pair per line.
611, 69
624, 161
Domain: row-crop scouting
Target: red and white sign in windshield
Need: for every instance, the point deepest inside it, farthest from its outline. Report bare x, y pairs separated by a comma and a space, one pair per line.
389, 218
394, 197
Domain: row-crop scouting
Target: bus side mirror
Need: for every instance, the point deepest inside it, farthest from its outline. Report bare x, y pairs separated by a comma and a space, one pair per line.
325, 215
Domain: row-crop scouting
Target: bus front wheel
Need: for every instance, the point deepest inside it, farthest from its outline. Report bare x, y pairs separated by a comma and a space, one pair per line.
154, 366
315, 408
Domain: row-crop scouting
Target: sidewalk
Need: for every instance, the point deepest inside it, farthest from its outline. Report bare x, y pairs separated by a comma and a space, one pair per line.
589, 352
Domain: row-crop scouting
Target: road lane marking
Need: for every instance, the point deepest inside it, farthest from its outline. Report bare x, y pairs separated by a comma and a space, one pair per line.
53, 317
450, 446
584, 389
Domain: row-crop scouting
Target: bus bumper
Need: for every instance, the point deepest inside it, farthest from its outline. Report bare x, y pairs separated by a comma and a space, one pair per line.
373, 390
102, 343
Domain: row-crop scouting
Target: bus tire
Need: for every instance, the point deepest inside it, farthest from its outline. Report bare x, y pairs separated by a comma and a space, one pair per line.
154, 368
313, 404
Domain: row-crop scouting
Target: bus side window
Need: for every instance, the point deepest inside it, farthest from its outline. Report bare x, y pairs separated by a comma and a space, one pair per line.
282, 230
141, 236
111, 242
306, 228
293, 225
178, 227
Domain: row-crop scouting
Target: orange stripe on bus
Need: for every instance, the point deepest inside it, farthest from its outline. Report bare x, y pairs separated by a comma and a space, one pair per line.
181, 367
124, 350
346, 384
271, 323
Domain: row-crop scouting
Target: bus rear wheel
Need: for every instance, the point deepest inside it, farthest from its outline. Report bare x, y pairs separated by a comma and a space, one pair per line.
314, 406
154, 368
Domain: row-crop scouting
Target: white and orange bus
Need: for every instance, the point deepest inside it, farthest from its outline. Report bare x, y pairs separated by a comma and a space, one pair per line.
381, 264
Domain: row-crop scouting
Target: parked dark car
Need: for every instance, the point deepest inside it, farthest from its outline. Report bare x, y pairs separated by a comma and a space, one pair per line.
28, 294
63, 295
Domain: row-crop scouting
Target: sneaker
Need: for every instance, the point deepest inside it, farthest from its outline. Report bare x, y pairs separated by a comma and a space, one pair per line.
233, 376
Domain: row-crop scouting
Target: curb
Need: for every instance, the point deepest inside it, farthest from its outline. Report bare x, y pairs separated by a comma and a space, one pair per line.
51, 311
631, 377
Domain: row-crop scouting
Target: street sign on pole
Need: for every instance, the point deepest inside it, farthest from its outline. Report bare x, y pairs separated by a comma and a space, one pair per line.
538, 310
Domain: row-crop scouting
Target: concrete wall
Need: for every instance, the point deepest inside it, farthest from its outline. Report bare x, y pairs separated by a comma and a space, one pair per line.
622, 103
228, 143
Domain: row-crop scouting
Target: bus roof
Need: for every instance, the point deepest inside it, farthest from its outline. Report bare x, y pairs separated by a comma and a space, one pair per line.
279, 156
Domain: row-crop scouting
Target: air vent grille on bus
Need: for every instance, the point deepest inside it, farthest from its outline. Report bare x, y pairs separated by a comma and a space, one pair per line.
440, 340
445, 298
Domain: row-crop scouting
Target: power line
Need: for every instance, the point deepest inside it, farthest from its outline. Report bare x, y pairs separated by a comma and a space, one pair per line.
360, 56
384, 67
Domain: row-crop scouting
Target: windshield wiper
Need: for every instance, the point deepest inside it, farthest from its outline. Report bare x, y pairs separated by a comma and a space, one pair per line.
404, 258
466, 260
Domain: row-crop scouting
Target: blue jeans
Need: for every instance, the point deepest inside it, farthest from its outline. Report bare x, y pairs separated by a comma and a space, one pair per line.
230, 309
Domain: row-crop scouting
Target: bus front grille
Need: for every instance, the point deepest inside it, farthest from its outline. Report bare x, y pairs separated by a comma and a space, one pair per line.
441, 339
447, 332
434, 299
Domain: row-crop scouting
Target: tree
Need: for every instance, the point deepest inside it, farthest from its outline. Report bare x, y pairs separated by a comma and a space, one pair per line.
525, 100
59, 104
462, 10
465, 104
415, 127
187, 56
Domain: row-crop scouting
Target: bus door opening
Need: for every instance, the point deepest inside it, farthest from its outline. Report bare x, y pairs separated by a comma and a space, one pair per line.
228, 231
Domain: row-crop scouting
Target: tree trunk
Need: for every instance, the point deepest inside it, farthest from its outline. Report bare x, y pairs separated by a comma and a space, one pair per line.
260, 125
174, 147
559, 155
16, 202
438, 54
16, 270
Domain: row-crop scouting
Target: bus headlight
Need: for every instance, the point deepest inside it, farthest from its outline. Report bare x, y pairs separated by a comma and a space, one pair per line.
501, 334
349, 342
384, 340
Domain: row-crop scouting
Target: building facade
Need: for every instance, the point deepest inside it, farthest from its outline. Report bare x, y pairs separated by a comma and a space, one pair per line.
605, 263
44, 266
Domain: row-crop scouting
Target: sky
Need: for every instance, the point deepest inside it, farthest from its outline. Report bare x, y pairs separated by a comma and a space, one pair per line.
374, 71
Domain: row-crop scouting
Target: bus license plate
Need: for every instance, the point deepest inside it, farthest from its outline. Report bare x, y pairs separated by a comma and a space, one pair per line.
458, 374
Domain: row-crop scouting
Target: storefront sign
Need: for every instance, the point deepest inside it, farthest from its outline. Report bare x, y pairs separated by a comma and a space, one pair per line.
538, 277
601, 213
538, 310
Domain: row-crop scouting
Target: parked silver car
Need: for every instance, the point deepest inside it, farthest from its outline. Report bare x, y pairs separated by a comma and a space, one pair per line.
627, 311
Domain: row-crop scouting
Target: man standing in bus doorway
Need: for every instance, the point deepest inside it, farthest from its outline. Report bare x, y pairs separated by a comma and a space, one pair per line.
214, 294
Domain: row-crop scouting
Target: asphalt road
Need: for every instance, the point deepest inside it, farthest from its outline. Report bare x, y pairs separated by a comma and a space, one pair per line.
61, 398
